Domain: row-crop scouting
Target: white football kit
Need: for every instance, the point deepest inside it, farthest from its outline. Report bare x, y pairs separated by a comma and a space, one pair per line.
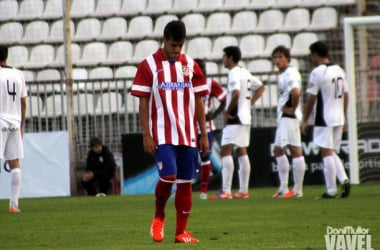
237, 130
328, 82
12, 89
288, 130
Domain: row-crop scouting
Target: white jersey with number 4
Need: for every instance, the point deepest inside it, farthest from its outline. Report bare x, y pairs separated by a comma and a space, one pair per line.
12, 89
328, 82
241, 79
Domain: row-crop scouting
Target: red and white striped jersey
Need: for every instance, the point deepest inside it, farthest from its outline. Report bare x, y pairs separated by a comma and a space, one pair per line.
172, 87
12, 89
215, 91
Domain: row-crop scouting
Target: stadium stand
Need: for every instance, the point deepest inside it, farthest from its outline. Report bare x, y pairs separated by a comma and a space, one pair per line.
11, 32
261, 5
36, 32
287, 4
319, 20
114, 28
157, 6
275, 40
41, 56
252, 45
35, 106
48, 75
219, 43
56, 34
312, 3
109, 103
29, 75
87, 29
183, 6
209, 5
218, 23
53, 9
195, 23
269, 21
144, 48
119, 52
55, 105
139, 27
94, 53
243, 22
106, 8
160, 23
8, 10
301, 43
81, 9
132, 7
233, 5
30, 9
262, 66
110, 37
296, 20
59, 57
84, 104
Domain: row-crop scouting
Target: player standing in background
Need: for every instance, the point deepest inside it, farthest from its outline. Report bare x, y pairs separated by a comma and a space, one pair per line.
170, 86
328, 88
289, 116
13, 94
243, 90
215, 91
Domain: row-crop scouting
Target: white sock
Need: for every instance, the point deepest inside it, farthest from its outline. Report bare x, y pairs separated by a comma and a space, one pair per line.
340, 172
227, 173
283, 172
299, 167
330, 174
15, 187
244, 172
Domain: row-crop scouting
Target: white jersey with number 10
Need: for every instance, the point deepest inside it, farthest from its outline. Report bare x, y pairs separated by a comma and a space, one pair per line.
328, 82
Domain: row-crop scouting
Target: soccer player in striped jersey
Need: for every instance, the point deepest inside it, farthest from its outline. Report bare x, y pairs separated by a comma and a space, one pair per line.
170, 86
218, 92
288, 134
328, 88
243, 90
13, 94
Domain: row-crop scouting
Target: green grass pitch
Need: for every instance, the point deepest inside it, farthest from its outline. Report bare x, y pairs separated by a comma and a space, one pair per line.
123, 222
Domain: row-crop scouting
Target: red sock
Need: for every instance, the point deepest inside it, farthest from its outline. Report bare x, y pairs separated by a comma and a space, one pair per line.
205, 177
162, 194
183, 202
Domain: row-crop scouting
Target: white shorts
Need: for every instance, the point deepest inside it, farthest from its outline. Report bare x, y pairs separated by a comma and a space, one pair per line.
288, 133
11, 147
328, 137
237, 135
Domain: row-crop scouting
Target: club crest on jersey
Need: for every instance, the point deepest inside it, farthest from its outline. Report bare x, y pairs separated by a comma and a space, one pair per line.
185, 70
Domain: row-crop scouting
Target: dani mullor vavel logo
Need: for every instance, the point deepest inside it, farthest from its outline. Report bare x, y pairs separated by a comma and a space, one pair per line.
348, 237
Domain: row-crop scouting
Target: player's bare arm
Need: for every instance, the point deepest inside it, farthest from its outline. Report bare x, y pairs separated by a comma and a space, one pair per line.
148, 142
23, 111
307, 111
213, 114
231, 106
258, 93
296, 95
201, 118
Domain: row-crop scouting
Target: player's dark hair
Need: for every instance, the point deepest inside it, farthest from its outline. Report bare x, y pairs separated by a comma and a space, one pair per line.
282, 50
201, 64
320, 48
95, 141
176, 30
3, 52
234, 52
